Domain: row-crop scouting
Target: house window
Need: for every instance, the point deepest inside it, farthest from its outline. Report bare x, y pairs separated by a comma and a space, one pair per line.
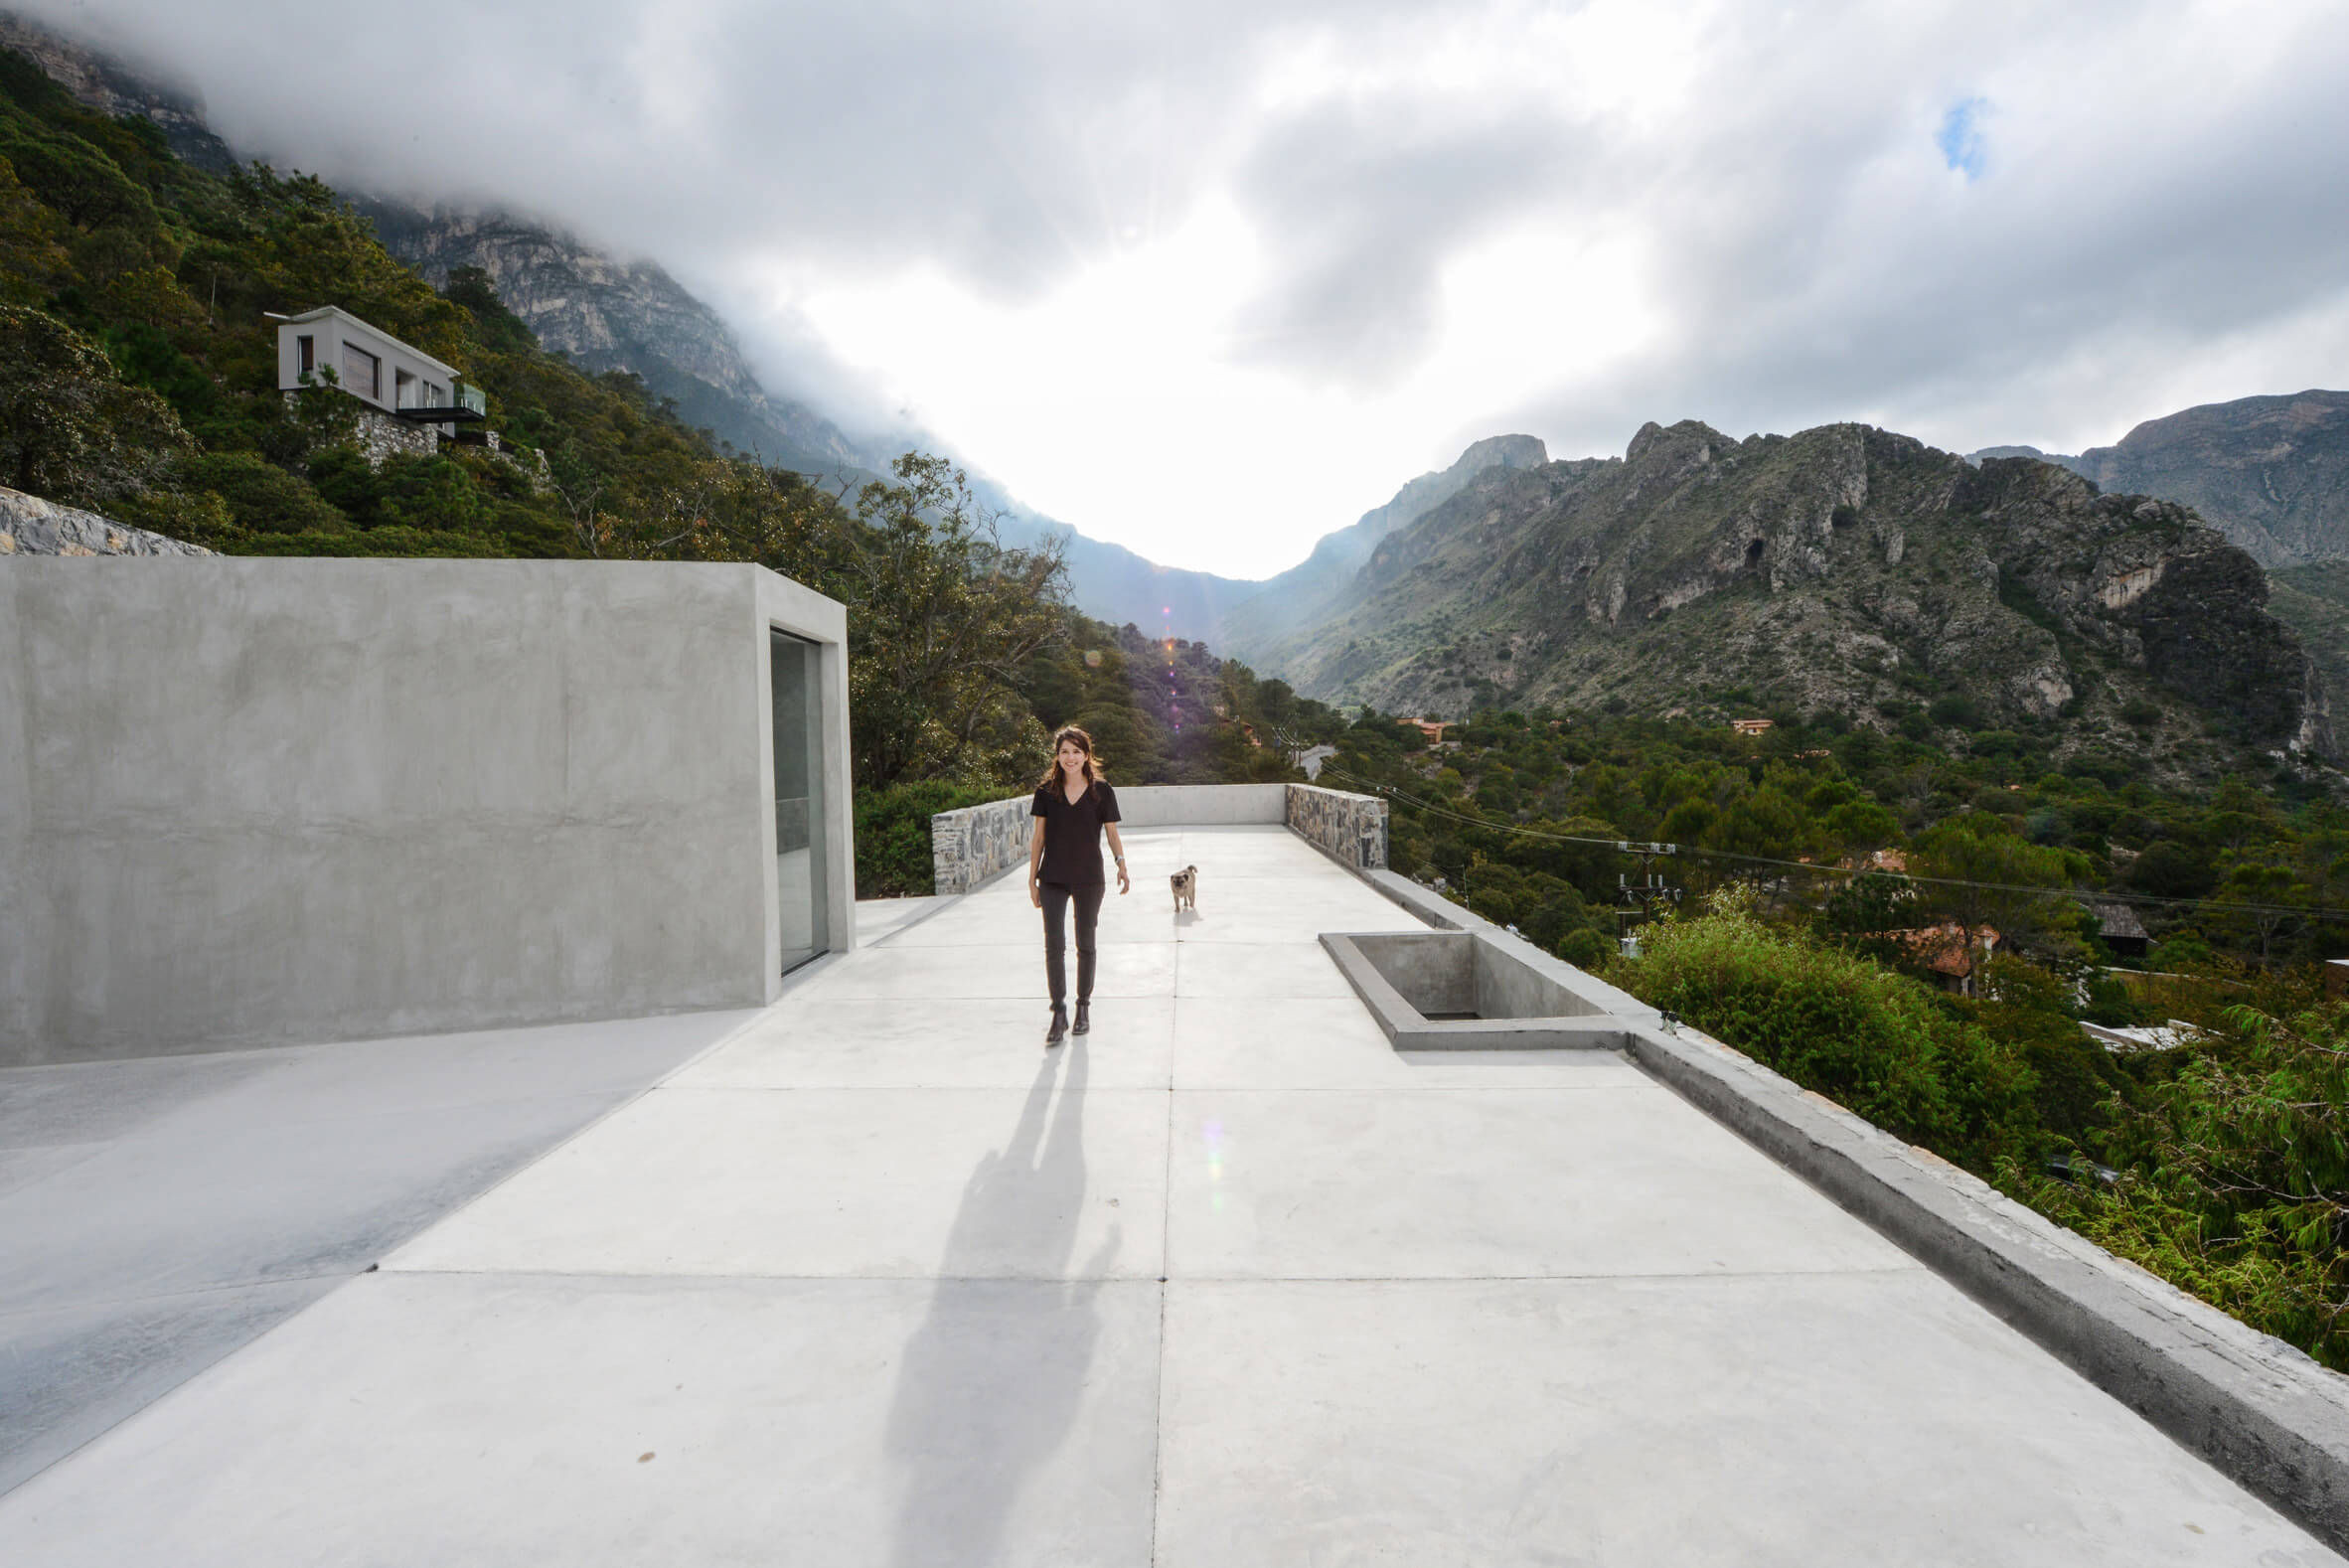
403, 390
305, 354
363, 373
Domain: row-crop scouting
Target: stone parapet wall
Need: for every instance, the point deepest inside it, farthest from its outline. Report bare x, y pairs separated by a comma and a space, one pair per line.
970, 845
30, 526
1350, 827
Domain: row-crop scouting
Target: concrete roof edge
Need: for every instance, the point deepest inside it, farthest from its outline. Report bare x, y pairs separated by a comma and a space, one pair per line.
2253, 1406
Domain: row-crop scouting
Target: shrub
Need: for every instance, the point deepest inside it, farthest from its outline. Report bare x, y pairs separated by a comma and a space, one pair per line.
894, 835
2235, 1181
1876, 1042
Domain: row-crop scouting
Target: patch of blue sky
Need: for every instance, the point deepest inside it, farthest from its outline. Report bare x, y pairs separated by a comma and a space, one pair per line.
1960, 139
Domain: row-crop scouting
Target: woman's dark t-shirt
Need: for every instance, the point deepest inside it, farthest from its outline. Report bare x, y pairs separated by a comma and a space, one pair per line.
1072, 832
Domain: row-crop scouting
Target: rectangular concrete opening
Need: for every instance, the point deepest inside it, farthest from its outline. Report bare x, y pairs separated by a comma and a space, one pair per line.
1460, 991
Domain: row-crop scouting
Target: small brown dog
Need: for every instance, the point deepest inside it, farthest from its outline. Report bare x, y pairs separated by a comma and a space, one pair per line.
1186, 889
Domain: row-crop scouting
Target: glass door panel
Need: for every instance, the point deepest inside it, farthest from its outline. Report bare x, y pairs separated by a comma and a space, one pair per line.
800, 877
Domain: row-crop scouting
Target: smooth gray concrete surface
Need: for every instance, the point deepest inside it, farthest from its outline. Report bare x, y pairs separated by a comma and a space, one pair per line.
277, 801
1203, 804
861, 1287
156, 1214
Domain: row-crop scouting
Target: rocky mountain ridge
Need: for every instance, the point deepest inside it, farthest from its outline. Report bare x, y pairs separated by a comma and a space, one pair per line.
2271, 473
1262, 627
1845, 568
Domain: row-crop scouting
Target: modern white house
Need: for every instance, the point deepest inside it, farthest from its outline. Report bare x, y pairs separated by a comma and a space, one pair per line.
251, 802
388, 376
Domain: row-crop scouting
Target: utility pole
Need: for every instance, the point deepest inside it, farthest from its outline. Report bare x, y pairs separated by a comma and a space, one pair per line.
1637, 901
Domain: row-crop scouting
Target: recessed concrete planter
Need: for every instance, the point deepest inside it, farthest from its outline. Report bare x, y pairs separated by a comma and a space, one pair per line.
1456, 990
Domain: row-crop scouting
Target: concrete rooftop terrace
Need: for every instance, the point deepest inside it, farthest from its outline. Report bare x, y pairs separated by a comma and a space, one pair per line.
875, 1279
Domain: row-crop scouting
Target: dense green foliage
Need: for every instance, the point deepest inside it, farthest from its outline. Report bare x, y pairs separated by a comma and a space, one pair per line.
1866, 1037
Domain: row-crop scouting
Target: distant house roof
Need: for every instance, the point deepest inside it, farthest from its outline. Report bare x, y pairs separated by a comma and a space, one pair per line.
1749, 726
2117, 920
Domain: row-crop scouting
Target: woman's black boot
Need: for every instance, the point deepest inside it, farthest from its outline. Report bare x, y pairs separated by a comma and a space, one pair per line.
1084, 1020
1060, 1029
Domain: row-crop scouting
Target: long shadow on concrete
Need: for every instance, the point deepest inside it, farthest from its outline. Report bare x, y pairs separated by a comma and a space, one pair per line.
988, 1386
157, 1214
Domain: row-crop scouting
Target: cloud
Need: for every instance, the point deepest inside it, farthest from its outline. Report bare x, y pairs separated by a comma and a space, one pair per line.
1209, 278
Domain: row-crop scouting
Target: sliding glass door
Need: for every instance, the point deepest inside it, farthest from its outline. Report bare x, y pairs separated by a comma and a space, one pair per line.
800, 877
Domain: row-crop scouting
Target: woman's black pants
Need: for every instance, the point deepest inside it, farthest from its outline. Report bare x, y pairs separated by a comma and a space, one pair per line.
1088, 912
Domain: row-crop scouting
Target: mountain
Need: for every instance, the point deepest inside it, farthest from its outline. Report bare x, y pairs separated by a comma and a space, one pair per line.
2271, 473
1263, 626
2314, 600
1845, 568
116, 89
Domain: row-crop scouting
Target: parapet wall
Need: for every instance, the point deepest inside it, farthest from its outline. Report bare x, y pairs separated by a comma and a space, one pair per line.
970, 845
1350, 827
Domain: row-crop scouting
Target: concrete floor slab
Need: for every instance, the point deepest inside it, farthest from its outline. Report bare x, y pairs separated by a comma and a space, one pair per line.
1006, 922
1257, 970
980, 1044
558, 1422
1223, 1043
954, 974
1268, 909
1057, 1182
68, 1374
1779, 1422
1419, 1183
156, 1213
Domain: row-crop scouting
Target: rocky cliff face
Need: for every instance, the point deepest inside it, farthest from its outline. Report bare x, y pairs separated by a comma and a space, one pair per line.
1845, 568
1268, 624
2270, 473
608, 314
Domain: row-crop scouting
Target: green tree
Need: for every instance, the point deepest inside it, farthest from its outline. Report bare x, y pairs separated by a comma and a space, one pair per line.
944, 618
70, 429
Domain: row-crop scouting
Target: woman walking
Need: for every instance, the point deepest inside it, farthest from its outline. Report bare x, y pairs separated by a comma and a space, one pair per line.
1073, 805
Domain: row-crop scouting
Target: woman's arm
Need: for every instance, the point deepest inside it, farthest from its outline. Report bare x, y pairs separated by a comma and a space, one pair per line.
1117, 848
1036, 859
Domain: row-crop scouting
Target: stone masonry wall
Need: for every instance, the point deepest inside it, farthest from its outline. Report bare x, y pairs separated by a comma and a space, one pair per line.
30, 526
1350, 827
970, 845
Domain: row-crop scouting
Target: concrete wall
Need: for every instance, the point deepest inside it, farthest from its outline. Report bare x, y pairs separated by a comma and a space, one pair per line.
1201, 805
253, 802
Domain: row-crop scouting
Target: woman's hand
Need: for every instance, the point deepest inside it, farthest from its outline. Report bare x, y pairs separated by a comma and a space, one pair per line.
1125, 882
1035, 892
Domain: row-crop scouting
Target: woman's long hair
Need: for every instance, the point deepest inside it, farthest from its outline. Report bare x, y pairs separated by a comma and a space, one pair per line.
1052, 778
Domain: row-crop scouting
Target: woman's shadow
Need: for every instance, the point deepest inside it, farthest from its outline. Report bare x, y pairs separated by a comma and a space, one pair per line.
988, 1386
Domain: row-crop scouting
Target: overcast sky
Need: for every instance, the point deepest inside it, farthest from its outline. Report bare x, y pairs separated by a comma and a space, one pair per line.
1210, 278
